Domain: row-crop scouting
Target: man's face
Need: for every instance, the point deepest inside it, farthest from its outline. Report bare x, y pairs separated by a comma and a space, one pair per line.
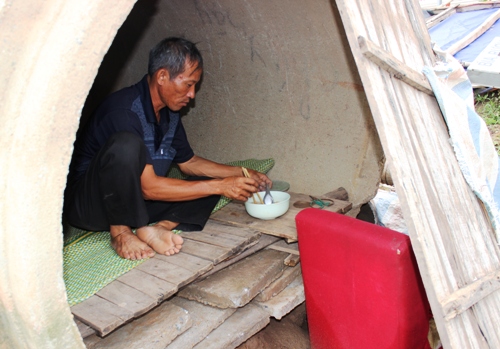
177, 93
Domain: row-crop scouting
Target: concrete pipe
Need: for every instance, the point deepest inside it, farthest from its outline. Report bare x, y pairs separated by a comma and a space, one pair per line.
279, 81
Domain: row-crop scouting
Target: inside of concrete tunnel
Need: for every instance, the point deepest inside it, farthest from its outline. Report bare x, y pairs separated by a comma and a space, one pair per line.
275, 85
279, 82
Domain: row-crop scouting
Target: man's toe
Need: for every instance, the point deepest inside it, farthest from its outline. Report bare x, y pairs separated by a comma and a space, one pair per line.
177, 239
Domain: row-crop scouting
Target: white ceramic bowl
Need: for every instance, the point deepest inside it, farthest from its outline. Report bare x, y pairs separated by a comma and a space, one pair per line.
271, 211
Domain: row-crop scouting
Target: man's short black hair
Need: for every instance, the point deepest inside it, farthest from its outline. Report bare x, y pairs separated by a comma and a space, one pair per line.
172, 54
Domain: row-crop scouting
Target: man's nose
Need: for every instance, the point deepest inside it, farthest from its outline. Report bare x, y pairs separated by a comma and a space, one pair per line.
191, 92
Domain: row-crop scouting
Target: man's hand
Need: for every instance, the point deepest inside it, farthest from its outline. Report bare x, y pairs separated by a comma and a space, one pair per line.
238, 188
261, 179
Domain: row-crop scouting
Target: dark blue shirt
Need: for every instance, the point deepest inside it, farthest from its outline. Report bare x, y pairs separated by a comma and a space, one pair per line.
115, 115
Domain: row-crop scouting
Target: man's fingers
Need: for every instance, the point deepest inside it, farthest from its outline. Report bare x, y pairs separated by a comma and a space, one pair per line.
248, 184
261, 179
240, 188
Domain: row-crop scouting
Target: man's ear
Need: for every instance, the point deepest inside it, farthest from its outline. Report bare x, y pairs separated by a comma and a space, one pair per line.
162, 76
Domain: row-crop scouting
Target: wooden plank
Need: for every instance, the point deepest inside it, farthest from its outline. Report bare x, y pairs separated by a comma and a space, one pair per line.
91, 341
461, 300
264, 241
284, 226
432, 21
285, 301
142, 288
215, 254
151, 285
464, 7
128, 298
278, 285
167, 271
391, 64
469, 38
292, 260
339, 206
451, 234
225, 228
218, 238
386, 31
284, 249
240, 326
337, 194
435, 10
205, 320
236, 214
85, 331
195, 264
477, 6
238, 284
281, 245
101, 315
153, 331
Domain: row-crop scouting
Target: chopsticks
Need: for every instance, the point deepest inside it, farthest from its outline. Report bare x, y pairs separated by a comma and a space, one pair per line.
245, 172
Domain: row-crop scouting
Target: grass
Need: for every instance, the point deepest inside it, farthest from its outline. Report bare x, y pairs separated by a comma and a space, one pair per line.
488, 107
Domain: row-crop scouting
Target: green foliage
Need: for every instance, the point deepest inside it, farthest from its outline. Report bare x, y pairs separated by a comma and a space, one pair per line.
488, 107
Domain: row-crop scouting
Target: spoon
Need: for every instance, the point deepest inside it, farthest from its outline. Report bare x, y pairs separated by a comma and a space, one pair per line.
268, 198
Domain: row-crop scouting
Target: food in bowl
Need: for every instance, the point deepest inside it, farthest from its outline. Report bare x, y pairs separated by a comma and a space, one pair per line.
270, 211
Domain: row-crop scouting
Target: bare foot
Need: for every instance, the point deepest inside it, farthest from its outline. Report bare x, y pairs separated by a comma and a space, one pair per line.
161, 239
127, 245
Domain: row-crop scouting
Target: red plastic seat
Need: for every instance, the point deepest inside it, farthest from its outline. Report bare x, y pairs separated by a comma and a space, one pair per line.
362, 285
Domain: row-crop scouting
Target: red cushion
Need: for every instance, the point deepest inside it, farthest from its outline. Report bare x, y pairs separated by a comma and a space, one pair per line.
362, 285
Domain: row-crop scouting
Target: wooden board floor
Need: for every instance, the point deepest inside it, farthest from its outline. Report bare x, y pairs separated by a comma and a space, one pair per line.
283, 226
223, 241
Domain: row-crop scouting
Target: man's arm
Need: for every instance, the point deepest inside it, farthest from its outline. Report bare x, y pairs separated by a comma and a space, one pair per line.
198, 166
171, 189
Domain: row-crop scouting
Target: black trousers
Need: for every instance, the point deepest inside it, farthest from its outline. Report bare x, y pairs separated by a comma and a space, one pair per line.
110, 192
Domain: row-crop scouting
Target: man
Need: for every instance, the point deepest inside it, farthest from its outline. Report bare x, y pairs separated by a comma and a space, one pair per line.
116, 180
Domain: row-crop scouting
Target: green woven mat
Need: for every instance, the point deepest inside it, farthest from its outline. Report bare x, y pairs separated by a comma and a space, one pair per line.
90, 263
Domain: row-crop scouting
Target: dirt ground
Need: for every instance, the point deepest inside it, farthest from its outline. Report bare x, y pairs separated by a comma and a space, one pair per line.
495, 135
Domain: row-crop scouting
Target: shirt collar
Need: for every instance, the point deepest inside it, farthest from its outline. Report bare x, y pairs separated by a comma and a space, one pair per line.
147, 103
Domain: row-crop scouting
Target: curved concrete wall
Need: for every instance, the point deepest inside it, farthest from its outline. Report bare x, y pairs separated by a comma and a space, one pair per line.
50, 53
279, 82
